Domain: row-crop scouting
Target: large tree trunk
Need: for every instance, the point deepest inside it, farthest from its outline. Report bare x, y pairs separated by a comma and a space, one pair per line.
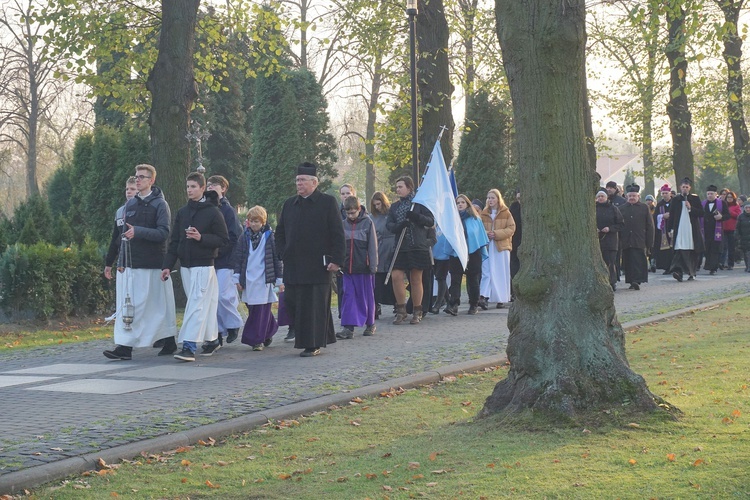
469, 12
735, 106
677, 107
566, 346
435, 86
173, 91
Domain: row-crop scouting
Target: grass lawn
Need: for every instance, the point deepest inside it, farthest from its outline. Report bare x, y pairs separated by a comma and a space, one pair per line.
426, 443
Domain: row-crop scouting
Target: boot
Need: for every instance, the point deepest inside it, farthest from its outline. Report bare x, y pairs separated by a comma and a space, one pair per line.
170, 347
400, 314
441, 292
232, 334
417, 316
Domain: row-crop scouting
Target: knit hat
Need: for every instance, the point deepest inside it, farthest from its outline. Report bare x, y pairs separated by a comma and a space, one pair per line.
478, 202
612, 184
649, 198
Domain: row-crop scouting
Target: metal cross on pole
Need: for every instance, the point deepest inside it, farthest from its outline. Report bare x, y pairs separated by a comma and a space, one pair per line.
198, 136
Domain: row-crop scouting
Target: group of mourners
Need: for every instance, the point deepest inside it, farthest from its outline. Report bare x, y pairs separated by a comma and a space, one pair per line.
679, 233
371, 258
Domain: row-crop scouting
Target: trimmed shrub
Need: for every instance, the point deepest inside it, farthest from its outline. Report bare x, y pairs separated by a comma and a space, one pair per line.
52, 281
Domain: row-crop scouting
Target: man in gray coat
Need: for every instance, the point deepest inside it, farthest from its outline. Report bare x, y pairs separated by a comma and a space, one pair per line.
310, 239
635, 238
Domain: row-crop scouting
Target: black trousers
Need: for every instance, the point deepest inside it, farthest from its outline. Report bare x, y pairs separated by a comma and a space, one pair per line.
684, 262
635, 265
473, 277
610, 257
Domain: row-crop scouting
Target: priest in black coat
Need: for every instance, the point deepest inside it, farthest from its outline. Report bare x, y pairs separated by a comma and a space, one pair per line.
310, 239
636, 237
685, 214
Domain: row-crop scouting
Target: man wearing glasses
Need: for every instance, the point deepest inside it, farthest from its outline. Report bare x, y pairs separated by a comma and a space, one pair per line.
145, 231
310, 240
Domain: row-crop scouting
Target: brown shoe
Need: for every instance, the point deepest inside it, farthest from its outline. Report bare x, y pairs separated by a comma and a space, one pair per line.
417, 316
400, 314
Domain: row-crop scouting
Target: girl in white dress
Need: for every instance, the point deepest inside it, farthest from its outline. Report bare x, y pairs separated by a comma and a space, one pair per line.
500, 226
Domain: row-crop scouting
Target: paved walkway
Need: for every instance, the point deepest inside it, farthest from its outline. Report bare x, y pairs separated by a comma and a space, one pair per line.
68, 401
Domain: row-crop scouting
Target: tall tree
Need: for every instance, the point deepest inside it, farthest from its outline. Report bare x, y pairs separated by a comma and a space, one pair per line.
566, 346
485, 153
629, 33
680, 125
173, 91
28, 86
433, 75
735, 104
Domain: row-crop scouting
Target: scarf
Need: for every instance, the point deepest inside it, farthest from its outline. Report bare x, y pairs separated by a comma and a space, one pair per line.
404, 207
255, 237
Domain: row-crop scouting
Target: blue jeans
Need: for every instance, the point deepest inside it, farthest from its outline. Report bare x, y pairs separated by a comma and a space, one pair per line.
190, 346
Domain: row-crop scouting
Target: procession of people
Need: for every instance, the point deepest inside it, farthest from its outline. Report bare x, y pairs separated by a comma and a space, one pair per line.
371, 259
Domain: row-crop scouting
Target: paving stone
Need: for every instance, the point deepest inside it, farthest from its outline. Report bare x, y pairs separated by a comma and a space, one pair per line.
101, 386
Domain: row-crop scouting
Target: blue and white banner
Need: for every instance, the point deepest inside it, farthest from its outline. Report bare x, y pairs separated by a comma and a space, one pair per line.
436, 193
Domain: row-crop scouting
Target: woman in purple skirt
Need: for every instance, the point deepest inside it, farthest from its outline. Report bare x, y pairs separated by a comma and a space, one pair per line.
360, 265
257, 272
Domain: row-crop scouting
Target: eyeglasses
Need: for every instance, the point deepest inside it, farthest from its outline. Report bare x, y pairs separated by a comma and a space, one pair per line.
141, 177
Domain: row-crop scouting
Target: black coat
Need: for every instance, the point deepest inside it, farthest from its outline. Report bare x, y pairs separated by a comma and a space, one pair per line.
308, 229
418, 236
743, 231
607, 215
206, 217
709, 223
639, 226
656, 246
515, 211
696, 212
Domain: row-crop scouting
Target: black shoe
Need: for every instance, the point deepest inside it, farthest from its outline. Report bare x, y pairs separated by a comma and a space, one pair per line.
711, 273
345, 334
170, 347
451, 309
472, 310
677, 276
289, 336
309, 353
120, 352
499, 305
159, 343
691, 278
185, 355
482, 303
211, 347
635, 286
232, 334
267, 342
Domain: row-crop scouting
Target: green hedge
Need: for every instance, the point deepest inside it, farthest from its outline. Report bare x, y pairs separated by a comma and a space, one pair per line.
53, 281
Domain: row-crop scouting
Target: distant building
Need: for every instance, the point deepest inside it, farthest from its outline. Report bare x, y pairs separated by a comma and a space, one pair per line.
615, 167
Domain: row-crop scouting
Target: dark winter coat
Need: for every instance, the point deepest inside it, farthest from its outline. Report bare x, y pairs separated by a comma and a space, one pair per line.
308, 229
234, 230
608, 215
361, 245
515, 211
742, 233
617, 200
206, 217
417, 225
115, 241
696, 213
638, 231
273, 267
386, 242
150, 218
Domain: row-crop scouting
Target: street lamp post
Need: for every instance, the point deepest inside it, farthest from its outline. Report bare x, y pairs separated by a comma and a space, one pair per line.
411, 11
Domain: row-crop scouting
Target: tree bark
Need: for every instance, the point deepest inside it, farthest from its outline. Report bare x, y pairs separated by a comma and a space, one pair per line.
435, 86
735, 104
566, 346
469, 12
372, 117
677, 107
173, 91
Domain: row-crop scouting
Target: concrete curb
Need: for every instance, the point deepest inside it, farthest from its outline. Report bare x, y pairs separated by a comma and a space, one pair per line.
16, 482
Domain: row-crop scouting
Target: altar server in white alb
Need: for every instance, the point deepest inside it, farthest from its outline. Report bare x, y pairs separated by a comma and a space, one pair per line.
228, 316
198, 233
150, 313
